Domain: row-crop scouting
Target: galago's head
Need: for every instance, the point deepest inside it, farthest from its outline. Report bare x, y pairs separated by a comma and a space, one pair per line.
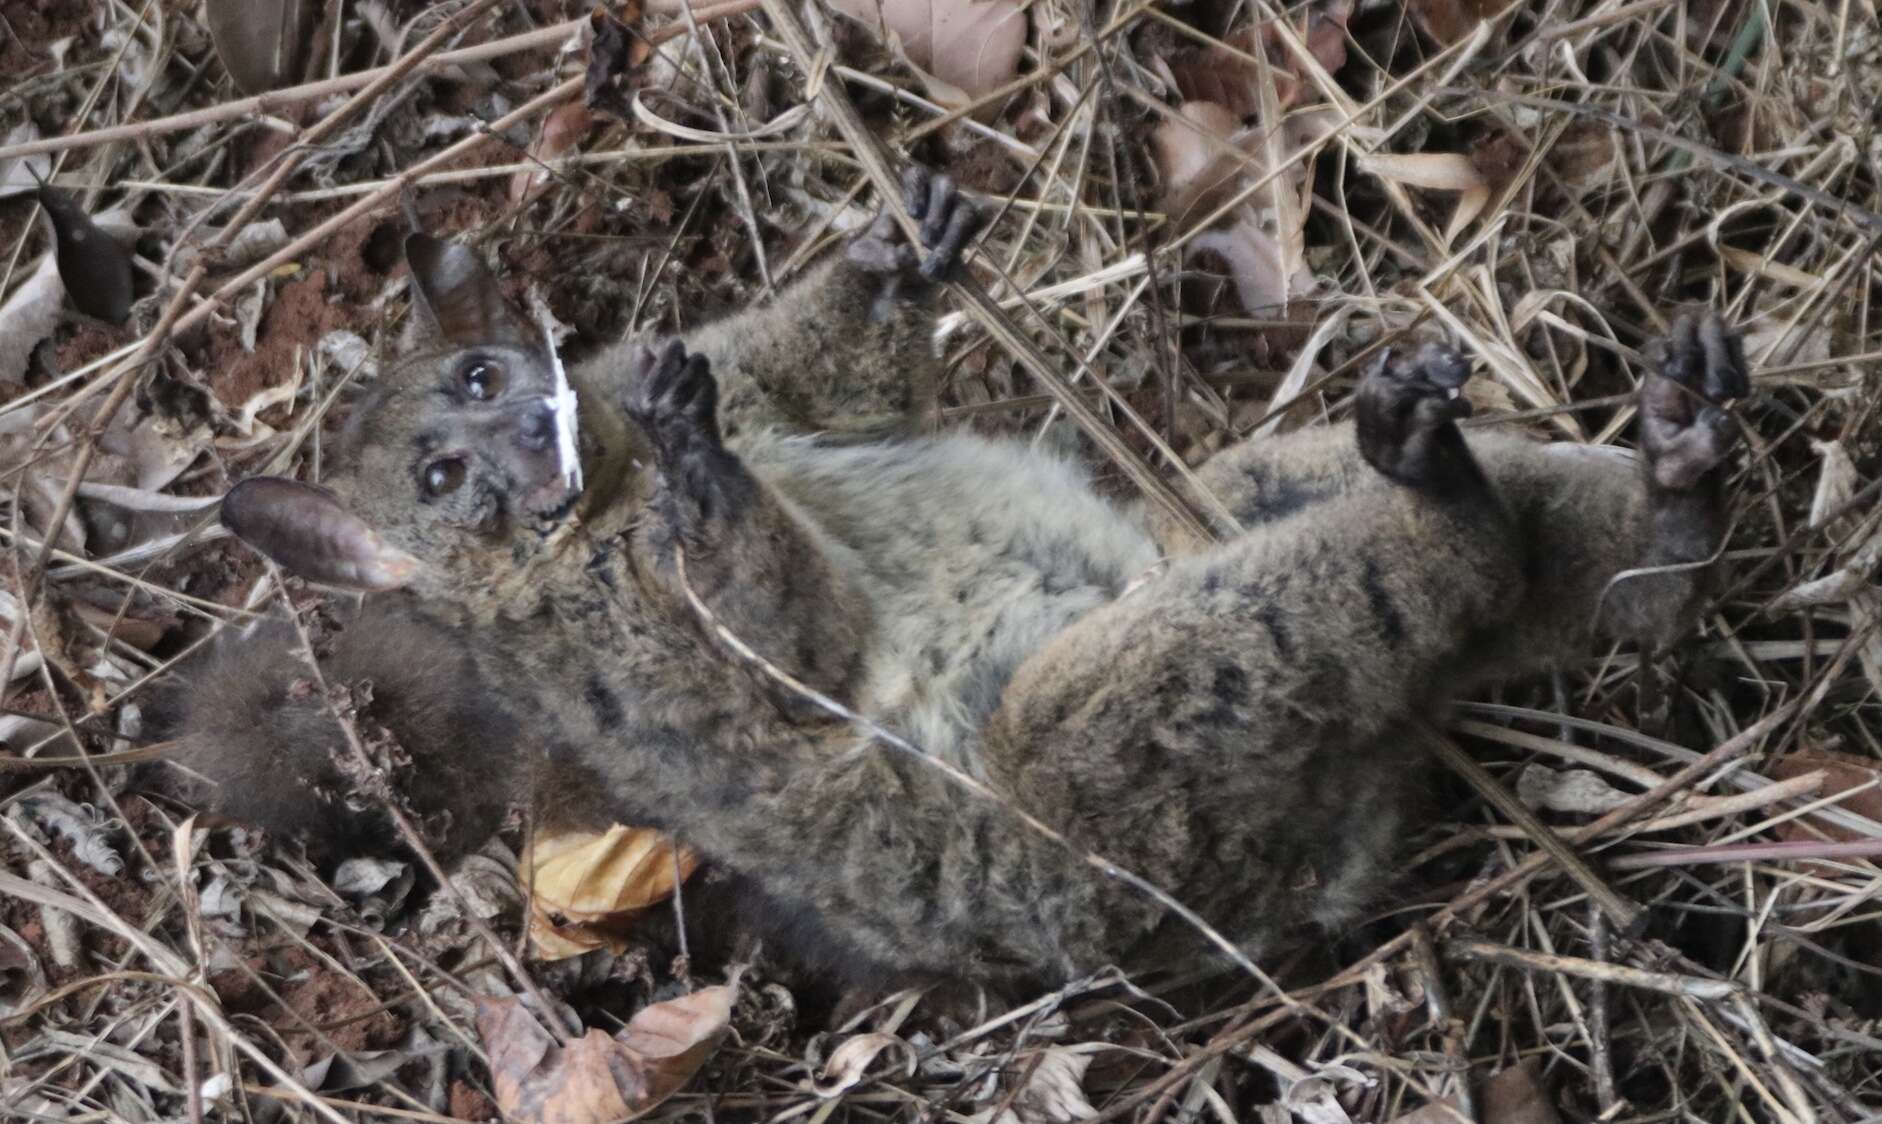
459, 465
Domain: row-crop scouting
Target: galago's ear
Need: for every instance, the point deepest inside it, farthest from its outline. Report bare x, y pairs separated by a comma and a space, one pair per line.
457, 299
306, 531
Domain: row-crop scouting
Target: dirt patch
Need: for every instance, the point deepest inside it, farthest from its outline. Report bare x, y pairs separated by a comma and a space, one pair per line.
300, 312
343, 1009
34, 25
469, 1103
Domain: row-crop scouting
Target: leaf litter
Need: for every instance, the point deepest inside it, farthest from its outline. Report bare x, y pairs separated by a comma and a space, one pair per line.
1110, 160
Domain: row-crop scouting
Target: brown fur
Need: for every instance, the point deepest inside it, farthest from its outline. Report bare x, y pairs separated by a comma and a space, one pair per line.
1228, 729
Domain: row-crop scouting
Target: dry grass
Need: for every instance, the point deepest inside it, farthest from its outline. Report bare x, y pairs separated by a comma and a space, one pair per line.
1729, 791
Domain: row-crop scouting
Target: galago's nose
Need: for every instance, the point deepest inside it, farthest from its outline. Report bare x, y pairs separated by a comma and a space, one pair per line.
535, 426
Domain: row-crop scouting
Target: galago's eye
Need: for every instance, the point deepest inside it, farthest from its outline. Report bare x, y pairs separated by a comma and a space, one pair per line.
444, 477
483, 380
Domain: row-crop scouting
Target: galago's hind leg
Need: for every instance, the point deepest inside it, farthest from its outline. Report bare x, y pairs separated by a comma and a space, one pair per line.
848, 349
1225, 721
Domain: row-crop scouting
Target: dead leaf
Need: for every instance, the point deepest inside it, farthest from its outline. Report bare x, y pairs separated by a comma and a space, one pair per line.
1055, 1093
1853, 582
1267, 272
1514, 1096
972, 46
1584, 155
613, 50
155, 448
262, 43
598, 1078
850, 1061
21, 174
95, 269
1451, 21
1567, 790
251, 244
1437, 1112
598, 883
1201, 159
1228, 75
28, 316
1837, 481
22, 978
42, 470
138, 631
561, 131
1844, 772
1437, 171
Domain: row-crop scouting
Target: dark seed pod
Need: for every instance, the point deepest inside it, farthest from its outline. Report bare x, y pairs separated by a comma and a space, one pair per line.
262, 43
95, 269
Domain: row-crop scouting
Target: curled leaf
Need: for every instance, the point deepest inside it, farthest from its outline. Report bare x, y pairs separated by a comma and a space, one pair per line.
1228, 74
21, 174
597, 883
1054, 1093
29, 315
1201, 159
1438, 171
95, 269
1567, 790
1451, 21
1857, 780
613, 50
850, 1061
561, 131
597, 1078
972, 46
262, 43
22, 978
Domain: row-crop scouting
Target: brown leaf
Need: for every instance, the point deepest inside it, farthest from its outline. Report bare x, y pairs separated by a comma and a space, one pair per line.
561, 131
1584, 155
1201, 160
615, 47
1448, 21
598, 882
262, 43
1228, 75
1514, 1096
95, 269
972, 46
1844, 771
598, 1078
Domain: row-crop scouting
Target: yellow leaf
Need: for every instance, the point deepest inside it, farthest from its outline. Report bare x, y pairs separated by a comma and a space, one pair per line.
597, 881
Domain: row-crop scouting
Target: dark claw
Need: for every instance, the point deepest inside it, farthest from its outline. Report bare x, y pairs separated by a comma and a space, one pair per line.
676, 400
1685, 431
947, 223
963, 224
934, 213
1407, 405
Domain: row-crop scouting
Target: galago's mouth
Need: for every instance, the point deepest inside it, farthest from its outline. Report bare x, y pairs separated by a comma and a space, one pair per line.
551, 502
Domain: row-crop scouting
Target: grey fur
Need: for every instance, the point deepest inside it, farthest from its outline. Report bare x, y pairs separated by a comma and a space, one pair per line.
1230, 729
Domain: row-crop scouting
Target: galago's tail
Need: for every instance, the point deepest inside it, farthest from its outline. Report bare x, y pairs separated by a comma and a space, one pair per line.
256, 740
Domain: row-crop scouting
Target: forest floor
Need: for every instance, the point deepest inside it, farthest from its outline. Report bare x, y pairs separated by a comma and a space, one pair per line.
1224, 209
